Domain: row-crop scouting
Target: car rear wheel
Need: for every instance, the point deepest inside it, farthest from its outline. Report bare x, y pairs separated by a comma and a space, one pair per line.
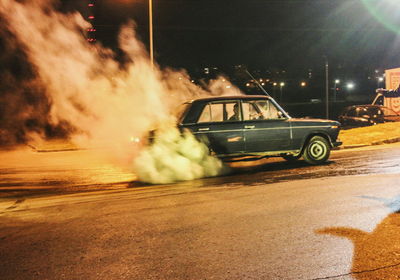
317, 150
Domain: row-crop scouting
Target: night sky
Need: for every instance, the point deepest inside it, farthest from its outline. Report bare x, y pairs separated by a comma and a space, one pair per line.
260, 33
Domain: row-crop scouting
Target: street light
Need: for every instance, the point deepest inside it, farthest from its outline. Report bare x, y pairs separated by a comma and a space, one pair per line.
281, 85
379, 81
326, 86
274, 84
337, 81
350, 85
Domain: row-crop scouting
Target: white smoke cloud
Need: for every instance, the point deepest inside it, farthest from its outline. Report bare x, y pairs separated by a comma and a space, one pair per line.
107, 103
176, 157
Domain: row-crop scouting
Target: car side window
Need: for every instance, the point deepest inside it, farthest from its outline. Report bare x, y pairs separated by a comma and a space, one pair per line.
250, 112
232, 111
268, 110
260, 110
219, 112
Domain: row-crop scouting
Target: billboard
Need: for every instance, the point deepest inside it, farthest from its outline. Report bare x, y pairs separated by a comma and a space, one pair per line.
392, 77
390, 97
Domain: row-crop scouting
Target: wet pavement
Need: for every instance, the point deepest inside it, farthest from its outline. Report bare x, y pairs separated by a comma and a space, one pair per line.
270, 220
25, 172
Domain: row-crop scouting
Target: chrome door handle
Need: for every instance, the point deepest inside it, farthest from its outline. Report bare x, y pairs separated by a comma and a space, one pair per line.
204, 129
249, 126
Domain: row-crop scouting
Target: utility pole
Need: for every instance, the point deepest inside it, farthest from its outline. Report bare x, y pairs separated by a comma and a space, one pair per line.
327, 87
151, 33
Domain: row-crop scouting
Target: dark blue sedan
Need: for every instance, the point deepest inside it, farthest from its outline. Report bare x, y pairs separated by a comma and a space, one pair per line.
234, 126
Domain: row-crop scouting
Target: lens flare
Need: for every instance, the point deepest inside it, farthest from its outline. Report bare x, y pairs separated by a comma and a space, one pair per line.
387, 12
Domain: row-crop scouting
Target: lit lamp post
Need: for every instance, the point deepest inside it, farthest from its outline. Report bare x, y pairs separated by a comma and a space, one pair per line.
337, 81
273, 89
350, 85
326, 87
303, 87
281, 85
379, 80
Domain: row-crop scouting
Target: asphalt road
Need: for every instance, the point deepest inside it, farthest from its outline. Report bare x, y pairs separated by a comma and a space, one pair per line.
74, 216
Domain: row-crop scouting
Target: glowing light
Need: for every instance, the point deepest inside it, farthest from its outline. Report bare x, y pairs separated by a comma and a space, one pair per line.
380, 79
337, 81
282, 84
350, 85
248, 84
303, 84
386, 12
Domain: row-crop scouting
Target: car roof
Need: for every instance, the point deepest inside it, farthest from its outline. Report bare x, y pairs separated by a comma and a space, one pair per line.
229, 97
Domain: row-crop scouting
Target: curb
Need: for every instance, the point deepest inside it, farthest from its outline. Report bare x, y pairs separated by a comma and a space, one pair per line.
387, 141
375, 143
352, 146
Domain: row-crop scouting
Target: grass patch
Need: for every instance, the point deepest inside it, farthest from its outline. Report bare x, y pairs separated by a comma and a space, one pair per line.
370, 134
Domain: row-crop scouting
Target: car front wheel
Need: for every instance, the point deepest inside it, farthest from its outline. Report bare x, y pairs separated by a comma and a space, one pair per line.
317, 150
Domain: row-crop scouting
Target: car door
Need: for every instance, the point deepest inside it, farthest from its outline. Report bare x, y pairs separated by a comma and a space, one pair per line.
220, 128
265, 127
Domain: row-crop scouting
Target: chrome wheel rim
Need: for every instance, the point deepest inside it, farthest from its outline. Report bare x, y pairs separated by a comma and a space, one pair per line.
318, 150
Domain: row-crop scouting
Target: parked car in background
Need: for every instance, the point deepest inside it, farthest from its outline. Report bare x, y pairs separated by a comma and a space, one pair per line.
365, 115
237, 126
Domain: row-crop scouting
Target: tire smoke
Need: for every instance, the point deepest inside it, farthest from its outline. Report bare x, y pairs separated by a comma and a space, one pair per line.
97, 101
176, 157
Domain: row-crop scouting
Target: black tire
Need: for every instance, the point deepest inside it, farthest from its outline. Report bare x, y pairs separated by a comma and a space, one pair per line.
317, 150
291, 158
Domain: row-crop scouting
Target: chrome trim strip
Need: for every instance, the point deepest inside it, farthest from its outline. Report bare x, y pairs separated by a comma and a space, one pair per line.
272, 153
327, 126
265, 128
217, 131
